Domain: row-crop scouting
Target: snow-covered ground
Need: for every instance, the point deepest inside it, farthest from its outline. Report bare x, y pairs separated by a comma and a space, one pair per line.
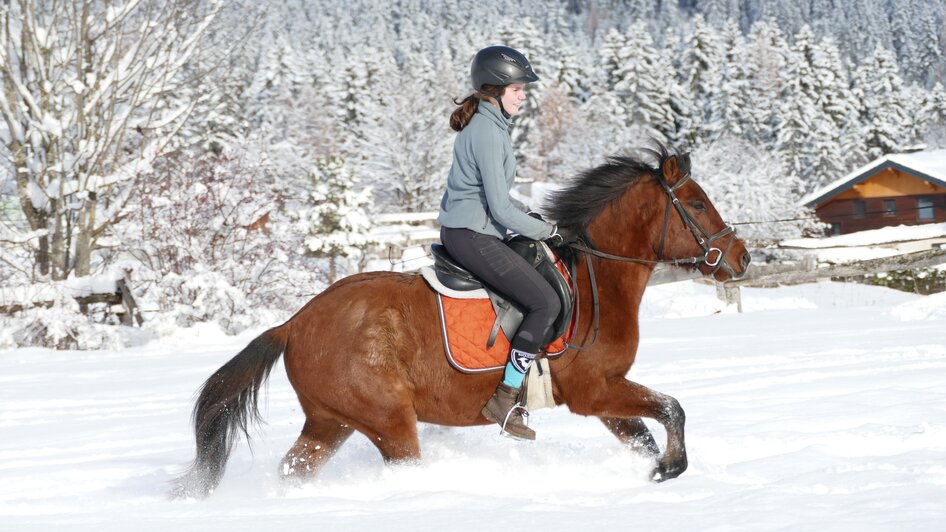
822, 407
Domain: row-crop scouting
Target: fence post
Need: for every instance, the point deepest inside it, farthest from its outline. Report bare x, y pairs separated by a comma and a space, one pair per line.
730, 295
132, 312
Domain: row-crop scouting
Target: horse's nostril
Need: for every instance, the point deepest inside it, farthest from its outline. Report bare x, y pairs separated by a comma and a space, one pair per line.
745, 259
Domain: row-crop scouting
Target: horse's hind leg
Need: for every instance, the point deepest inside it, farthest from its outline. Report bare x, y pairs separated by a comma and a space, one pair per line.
633, 433
321, 436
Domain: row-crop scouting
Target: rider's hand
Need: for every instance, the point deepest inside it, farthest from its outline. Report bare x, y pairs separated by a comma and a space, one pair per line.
561, 236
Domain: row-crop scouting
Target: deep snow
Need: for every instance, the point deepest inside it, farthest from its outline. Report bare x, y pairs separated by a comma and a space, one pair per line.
822, 407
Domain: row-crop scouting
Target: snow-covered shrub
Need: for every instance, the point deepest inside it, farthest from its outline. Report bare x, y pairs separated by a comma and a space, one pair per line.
746, 184
184, 300
61, 326
919, 281
211, 231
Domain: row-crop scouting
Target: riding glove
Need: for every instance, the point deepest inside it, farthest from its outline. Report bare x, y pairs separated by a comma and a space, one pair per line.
561, 236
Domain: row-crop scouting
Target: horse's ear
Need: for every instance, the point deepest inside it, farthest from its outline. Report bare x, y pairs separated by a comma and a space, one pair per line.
671, 170
685, 164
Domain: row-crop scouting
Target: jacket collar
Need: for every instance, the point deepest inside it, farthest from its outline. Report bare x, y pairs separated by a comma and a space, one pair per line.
494, 115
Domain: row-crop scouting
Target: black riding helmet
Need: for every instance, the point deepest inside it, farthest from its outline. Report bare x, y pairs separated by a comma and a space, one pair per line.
500, 66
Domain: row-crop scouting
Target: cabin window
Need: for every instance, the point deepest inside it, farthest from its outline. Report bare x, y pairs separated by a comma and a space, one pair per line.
860, 208
835, 229
924, 209
890, 207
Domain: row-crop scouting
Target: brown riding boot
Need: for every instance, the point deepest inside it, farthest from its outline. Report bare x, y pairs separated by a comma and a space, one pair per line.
504, 408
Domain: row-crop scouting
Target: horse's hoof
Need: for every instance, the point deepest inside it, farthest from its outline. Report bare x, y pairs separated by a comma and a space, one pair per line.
666, 471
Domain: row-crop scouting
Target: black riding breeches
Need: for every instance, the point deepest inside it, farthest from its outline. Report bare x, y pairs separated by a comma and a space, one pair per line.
503, 270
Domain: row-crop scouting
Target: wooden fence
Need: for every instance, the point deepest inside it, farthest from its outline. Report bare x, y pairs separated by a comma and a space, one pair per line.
114, 291
790, 274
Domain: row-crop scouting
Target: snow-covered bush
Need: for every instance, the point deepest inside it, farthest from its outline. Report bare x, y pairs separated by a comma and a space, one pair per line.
60, 326
919, 281
184, 300
746, 184
212, 231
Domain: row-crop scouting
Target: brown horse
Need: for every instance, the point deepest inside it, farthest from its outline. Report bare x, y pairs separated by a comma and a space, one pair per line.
366, 354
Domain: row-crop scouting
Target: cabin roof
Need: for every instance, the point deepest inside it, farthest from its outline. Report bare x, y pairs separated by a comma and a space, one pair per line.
927, 165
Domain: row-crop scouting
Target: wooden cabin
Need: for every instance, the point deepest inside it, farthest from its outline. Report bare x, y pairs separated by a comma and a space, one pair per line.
896, 189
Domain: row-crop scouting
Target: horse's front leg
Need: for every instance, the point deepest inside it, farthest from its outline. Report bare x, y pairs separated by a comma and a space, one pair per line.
634, 434
621, 399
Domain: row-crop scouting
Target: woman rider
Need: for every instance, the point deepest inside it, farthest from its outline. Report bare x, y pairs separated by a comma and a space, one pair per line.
476, 213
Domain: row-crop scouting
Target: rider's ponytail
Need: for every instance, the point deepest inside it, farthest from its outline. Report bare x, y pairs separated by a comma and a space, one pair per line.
467, 107
464, 112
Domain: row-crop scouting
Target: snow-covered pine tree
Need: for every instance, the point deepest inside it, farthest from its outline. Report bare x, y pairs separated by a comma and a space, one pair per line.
638, 86
338, 223
731, 109
842, 106
863, 26
719, 13
934, 117
905, 25
878, 85
406, 149
837, 147
788, 16
523, 35
804, 131
571, 59
824, 17
566, 144
700, 65
930, 45
610, 58
680, 130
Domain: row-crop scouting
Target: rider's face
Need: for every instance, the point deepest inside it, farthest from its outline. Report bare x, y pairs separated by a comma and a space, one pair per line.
513, 98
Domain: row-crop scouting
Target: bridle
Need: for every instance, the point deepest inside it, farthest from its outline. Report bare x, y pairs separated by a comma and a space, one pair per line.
704, 239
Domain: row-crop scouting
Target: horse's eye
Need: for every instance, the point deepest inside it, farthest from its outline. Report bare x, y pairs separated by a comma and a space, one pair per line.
698, 206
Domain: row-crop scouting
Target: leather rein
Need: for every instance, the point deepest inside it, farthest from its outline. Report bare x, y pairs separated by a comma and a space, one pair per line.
704, 239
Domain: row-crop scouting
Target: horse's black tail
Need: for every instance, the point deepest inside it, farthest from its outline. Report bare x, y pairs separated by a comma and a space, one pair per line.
227, 406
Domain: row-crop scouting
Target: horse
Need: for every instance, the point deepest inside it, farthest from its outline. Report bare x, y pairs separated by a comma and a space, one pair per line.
366, 354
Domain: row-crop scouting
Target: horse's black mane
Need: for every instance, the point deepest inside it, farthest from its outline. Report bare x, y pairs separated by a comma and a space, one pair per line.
587, 194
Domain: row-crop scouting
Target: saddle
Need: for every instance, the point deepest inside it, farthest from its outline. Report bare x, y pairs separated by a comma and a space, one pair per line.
509, 314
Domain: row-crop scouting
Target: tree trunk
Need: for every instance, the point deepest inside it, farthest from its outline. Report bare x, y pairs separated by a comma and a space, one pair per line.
41, 257
58, 255
84, 241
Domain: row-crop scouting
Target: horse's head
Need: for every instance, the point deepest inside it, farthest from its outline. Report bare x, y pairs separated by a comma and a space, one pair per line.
634, 212
691, 227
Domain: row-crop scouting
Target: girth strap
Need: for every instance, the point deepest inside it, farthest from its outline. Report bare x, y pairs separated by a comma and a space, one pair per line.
596, 311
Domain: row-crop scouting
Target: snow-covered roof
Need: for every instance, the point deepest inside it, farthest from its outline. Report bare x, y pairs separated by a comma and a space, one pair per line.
928, 165
871, 237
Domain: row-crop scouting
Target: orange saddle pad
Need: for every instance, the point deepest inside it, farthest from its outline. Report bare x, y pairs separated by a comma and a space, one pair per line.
466, 324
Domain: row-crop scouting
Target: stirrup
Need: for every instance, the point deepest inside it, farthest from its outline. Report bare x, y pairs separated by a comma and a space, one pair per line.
524, 415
